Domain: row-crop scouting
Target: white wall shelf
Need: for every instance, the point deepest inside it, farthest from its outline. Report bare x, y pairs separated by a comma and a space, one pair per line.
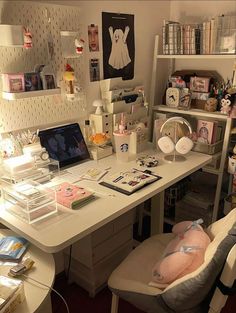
30, 94
196, 56
195, 112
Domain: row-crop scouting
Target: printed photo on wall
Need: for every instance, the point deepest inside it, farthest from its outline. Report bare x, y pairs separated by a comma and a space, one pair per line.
93, 38
118, 45
94, 70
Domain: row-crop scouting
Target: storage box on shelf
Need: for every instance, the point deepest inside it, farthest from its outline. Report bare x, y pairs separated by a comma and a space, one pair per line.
102, 123
29, 200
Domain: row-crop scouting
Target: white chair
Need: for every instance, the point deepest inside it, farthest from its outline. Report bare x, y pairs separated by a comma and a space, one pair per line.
196, 292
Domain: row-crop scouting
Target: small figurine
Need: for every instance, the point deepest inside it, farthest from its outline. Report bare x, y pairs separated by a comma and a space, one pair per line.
79, 45
69, 77
211, 105
225, 104
27, 39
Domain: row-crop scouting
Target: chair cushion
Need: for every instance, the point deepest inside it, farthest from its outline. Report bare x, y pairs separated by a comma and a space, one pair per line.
135, 272
183, 255
186, 294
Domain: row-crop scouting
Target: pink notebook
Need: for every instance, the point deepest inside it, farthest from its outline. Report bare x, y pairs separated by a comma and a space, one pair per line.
72, 196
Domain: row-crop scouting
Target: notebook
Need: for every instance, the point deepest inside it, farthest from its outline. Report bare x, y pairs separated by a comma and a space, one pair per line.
130, 181
72, 196
65, 144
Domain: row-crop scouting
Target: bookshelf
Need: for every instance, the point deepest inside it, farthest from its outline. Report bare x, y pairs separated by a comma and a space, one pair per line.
154, 107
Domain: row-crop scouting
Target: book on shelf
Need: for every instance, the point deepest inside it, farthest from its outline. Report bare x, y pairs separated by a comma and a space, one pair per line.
214, 36
130, 181
72, 196
11, 293
12, 248
206, 131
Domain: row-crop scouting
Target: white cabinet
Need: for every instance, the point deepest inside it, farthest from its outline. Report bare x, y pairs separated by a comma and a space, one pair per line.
94, 257
154, 107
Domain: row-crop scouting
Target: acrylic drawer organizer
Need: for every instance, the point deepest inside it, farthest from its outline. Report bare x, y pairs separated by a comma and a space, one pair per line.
39, 171
29, 200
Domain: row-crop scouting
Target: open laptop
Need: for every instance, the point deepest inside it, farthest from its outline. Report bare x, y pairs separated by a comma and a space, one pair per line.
65, 144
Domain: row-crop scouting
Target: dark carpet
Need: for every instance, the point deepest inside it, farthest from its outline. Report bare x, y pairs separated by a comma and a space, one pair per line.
79, 301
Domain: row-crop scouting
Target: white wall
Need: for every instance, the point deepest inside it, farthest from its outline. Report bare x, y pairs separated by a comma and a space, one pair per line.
148, 18
197, 12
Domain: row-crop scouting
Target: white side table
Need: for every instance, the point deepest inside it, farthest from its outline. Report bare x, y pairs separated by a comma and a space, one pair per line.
37, 296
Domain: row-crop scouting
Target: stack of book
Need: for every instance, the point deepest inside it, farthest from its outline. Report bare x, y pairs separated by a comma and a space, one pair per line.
215, 36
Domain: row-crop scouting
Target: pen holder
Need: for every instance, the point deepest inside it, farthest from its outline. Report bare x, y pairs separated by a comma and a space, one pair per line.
122, 143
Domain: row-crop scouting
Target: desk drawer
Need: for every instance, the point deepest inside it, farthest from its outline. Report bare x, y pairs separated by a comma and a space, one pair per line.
112, 228
107, 247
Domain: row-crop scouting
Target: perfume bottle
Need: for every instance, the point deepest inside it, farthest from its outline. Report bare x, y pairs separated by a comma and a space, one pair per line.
87, 132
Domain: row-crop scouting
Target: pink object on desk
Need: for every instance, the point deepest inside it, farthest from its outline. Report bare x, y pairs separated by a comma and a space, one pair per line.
71, 196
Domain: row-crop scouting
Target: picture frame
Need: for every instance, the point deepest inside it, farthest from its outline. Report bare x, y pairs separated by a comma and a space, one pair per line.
48, 79
199, 84
185, 99
32, 81
13, 82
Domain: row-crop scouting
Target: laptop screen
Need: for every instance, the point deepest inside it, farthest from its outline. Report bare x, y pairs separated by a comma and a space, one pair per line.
65, 144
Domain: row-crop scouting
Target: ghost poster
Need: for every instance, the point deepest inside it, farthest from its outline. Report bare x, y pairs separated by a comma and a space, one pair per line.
118, 45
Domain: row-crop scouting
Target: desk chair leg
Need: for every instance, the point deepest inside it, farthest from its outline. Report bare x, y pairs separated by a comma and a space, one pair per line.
114, 303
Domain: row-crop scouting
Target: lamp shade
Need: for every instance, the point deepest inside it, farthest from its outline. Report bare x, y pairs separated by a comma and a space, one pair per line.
99, 105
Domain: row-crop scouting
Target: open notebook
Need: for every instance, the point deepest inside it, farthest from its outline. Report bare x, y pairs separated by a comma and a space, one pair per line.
130, 181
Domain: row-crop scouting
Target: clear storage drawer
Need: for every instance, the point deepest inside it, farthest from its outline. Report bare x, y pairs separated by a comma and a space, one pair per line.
29, 200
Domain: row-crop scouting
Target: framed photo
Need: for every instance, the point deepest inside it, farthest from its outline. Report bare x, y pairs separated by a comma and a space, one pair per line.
199, 84
185, 99
48, 80
13, 82
32, 81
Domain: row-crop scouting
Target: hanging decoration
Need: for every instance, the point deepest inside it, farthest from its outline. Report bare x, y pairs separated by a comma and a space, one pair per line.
79, 45
69, 77
27, 38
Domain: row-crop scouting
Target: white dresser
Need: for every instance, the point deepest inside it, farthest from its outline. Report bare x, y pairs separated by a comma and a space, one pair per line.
98, 254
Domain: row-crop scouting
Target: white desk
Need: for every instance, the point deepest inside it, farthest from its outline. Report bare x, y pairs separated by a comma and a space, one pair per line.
37, 296
61, 230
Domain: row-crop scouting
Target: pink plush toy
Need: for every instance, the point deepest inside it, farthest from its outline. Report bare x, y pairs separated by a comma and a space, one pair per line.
184, 254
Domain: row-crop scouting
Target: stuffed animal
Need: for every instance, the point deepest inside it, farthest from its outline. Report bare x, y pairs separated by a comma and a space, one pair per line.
211, 105
183, 255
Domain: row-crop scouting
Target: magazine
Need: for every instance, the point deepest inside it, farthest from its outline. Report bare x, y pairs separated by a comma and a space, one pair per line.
72, 196
12, 248
130, 181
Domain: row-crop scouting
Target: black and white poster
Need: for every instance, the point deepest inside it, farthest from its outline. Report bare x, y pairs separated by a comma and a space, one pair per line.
118, 45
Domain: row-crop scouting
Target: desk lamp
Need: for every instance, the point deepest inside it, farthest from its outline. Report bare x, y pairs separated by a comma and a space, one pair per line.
99, 106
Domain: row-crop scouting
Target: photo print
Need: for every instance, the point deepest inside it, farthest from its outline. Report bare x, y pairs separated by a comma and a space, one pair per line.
93, 38
94, 70
118, 45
